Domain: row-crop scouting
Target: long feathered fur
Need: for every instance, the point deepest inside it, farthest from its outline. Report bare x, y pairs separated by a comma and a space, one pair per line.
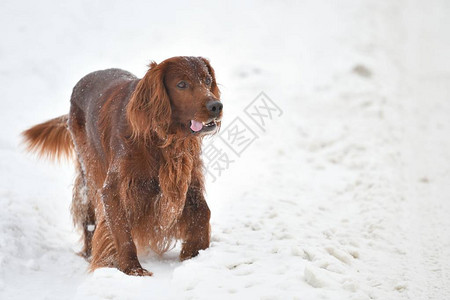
149, 110
140, 182
50, 139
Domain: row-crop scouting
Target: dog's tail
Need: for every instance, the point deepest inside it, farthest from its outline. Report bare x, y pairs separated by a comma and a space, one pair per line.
50, 139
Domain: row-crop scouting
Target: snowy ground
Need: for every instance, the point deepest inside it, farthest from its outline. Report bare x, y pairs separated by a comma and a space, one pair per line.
343, 196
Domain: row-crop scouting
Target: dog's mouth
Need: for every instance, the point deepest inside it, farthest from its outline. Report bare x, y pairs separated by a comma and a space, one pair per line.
198, 127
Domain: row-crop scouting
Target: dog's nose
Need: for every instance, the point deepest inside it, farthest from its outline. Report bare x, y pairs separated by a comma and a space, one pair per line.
214, 106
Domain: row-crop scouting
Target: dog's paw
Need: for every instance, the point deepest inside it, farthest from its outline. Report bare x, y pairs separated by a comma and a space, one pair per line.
137, 271
187, 254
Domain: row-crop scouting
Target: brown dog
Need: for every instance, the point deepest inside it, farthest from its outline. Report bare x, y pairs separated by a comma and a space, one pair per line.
137, 145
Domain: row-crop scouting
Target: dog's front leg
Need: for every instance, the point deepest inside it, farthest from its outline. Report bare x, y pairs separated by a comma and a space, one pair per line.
194, 224
119, 228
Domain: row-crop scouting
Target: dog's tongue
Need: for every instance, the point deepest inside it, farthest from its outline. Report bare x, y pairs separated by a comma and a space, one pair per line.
196, 126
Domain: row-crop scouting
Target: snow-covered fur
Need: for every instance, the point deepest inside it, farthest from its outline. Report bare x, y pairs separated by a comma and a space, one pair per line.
137, 146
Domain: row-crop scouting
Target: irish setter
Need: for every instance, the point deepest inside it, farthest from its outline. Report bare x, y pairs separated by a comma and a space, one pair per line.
137, 144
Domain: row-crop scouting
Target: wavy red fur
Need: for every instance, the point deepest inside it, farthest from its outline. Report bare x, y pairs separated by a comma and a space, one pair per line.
139, 182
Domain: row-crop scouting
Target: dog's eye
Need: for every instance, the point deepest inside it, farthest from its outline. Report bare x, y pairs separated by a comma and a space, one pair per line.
208, 81
182, 85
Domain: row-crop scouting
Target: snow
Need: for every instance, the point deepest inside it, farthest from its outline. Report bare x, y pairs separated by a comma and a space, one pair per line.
342, 196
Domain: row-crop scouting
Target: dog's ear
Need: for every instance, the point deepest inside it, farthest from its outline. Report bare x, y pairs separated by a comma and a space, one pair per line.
149, 108
214, 88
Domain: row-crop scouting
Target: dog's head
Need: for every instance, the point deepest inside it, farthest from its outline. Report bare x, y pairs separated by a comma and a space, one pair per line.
179, 93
